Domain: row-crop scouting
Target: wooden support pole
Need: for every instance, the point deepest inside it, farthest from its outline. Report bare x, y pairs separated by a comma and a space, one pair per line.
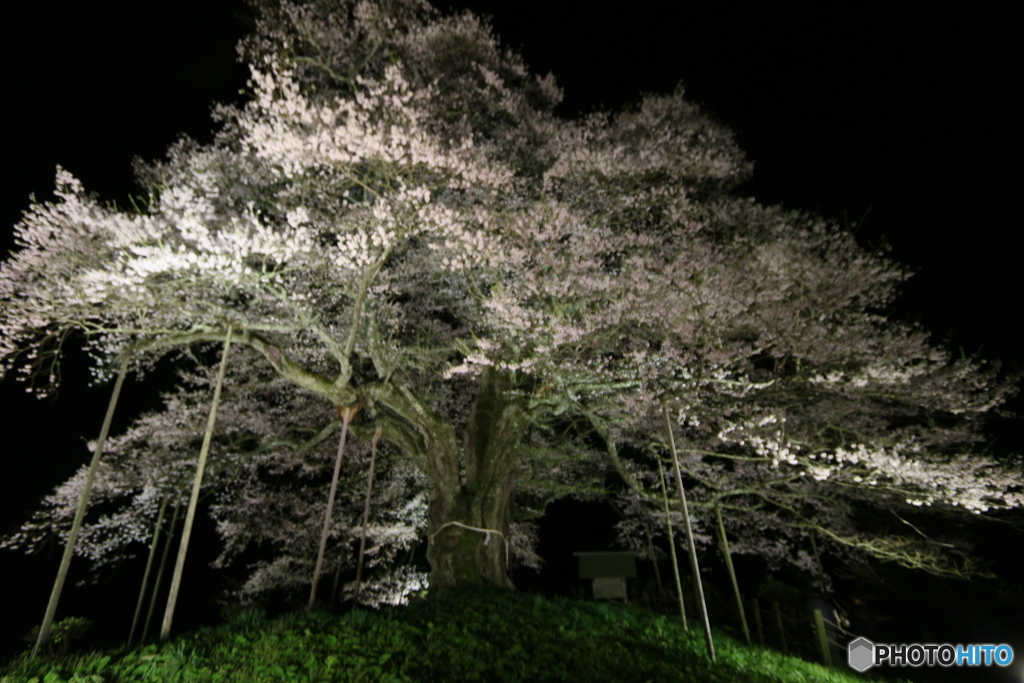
817, 558
819, 626
83, 504
337, 581
672, 545
698, 584
149, 568
197, 482
780, 627
160, 572
366, 514
346, 413
758, 627
723, 545
654, 558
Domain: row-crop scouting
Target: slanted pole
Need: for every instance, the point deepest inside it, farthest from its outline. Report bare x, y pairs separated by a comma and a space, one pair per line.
823, 644
163, 565
83, 503
149, 568
672, 544
781, 627
817, 559
337, 582
723, 544
698, 584
654, 558
346, 413
197, 482
758, 624
366, 514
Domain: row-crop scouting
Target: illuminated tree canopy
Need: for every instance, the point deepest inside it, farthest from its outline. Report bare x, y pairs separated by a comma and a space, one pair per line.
398, 218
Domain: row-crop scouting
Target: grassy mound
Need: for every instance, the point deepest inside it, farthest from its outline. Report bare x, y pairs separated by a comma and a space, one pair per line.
482, 636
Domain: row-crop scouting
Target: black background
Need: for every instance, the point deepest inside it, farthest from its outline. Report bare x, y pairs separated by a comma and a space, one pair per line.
903, 113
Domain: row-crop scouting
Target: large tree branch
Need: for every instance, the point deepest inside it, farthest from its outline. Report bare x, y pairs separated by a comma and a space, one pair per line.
341, 395
350, 344
429, 437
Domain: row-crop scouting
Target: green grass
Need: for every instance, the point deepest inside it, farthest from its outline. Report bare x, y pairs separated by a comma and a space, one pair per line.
485, 636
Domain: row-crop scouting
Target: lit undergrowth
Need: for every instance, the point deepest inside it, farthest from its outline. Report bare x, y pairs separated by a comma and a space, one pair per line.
484, 636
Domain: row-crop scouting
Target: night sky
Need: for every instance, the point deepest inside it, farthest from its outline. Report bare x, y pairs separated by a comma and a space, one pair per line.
904, 117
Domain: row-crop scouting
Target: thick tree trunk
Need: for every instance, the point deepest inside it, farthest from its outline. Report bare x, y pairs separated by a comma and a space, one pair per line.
470, 517
468, 541
472, 484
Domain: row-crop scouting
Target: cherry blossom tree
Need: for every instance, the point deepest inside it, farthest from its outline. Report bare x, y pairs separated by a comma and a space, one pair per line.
398, 218
262, 486
839, 410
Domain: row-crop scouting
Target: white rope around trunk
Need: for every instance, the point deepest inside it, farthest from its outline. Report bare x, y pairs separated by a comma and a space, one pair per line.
487, 540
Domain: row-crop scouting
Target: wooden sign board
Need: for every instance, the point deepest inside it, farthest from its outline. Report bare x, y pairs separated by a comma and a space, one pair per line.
610, 589
612, 564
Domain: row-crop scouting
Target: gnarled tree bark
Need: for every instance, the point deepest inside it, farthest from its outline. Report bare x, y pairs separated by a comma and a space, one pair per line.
470, 514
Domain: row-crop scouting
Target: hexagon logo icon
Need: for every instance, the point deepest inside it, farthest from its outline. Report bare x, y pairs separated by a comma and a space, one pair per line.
861, 654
